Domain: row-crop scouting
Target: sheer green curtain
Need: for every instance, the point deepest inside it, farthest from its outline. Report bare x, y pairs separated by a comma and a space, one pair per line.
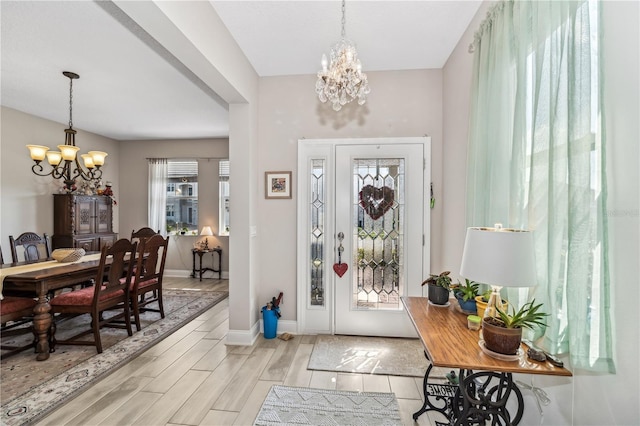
536, 161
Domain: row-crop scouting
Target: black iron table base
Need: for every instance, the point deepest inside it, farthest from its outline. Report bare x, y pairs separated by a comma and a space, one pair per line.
478, 397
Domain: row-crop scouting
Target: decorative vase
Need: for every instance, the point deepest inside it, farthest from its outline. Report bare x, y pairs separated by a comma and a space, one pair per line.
438, 295
500, 339
467, 306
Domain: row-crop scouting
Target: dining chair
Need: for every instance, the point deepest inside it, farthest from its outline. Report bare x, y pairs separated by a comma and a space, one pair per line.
35, 247
110, 292
140, 235
143, 233
152, 255
15, 312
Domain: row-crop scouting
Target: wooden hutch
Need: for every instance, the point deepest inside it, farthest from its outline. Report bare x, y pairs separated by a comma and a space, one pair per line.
82, 221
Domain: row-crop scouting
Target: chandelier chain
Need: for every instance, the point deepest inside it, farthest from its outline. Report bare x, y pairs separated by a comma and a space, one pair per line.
344, 20
70, 102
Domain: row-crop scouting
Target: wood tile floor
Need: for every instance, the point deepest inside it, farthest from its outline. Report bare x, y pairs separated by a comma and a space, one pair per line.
193, 378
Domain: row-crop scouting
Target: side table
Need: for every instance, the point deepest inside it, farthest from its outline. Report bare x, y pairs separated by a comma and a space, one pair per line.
202, 270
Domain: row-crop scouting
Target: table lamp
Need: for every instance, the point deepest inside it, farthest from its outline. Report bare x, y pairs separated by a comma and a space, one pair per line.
500, 257
207, 232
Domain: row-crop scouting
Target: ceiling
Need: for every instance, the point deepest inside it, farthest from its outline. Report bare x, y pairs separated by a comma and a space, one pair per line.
130, 89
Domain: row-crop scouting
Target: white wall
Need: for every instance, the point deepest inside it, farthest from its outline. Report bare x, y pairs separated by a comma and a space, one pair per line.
402, 103
26, 201
587, 398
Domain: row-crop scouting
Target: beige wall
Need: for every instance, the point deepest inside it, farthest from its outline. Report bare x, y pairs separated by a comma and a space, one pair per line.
133, 196
26, 203
587, 398
402, 103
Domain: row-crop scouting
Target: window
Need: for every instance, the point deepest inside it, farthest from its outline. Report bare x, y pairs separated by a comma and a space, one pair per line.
224, 198
182, 197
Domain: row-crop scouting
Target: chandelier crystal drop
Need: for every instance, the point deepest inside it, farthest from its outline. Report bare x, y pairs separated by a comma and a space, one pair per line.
341, 80
64, 163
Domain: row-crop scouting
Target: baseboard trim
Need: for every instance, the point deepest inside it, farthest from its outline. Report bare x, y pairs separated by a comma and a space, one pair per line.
183, 273
248, 337
243, 337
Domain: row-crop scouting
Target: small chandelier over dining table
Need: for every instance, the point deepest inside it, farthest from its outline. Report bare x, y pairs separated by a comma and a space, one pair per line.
64, 163
342, 80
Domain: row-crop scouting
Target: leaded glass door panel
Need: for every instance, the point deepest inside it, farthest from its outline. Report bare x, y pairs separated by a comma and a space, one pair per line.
379, 192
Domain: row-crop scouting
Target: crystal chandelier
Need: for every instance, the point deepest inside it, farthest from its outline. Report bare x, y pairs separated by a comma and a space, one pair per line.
69, 169
343, 80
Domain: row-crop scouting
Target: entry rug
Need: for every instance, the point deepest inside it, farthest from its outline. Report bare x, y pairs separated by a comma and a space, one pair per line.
307, 406
371, 355
73, 373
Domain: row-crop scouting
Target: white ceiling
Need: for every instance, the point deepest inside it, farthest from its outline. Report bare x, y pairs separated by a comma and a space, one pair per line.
131, 89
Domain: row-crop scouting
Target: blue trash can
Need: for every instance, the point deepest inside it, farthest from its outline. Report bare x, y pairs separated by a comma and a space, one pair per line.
270, 321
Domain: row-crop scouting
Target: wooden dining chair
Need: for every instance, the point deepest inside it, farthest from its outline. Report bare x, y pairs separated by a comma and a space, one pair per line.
110, 292
152, 255
15, 312
34, 246
143, 233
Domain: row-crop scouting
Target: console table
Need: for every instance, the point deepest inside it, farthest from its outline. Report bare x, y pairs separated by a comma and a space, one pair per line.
485, 383
202, 270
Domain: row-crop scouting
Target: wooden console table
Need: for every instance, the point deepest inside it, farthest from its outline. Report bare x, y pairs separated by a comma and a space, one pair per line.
202, 270
485, 383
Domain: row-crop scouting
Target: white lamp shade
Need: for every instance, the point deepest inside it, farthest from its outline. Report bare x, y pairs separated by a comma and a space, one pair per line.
206, 231
500, 257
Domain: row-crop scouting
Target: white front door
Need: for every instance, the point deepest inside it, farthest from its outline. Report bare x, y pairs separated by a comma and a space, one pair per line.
372, 193
379, 209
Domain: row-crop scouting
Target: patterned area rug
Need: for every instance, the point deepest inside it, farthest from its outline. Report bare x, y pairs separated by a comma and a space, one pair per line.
31, 389
371, 355
306, 406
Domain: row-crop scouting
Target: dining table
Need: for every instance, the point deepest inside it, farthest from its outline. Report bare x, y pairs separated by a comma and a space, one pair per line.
38, 279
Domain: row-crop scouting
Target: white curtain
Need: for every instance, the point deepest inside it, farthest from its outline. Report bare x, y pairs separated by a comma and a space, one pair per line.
158, 170
537, 161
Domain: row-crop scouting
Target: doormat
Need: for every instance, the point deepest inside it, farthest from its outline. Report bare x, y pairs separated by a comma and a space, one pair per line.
31, 389
291, 405
371, 355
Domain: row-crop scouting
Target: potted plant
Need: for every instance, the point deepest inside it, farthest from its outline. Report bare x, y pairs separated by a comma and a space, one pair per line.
466, 294
483, 299
439, 286
502, 334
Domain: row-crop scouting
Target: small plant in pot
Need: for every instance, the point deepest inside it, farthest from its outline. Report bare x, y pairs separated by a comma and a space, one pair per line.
483, 299
466, 294
439, 286
502, 334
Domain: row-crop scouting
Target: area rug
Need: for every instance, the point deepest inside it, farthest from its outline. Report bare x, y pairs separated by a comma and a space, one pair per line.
370, 355
31, 389
307, 406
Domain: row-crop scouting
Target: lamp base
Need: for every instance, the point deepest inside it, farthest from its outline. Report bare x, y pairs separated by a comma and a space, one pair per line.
494, 301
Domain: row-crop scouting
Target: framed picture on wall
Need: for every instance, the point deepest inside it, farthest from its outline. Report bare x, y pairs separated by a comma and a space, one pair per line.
277, 184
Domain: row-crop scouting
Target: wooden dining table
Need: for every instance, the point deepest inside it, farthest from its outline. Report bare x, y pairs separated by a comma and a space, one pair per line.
38, 280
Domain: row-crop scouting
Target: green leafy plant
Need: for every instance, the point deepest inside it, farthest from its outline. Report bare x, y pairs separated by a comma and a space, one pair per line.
443, 280
486, 295
526, 317
468, 290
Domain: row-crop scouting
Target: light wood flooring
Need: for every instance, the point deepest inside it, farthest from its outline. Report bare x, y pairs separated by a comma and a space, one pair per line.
193, 378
